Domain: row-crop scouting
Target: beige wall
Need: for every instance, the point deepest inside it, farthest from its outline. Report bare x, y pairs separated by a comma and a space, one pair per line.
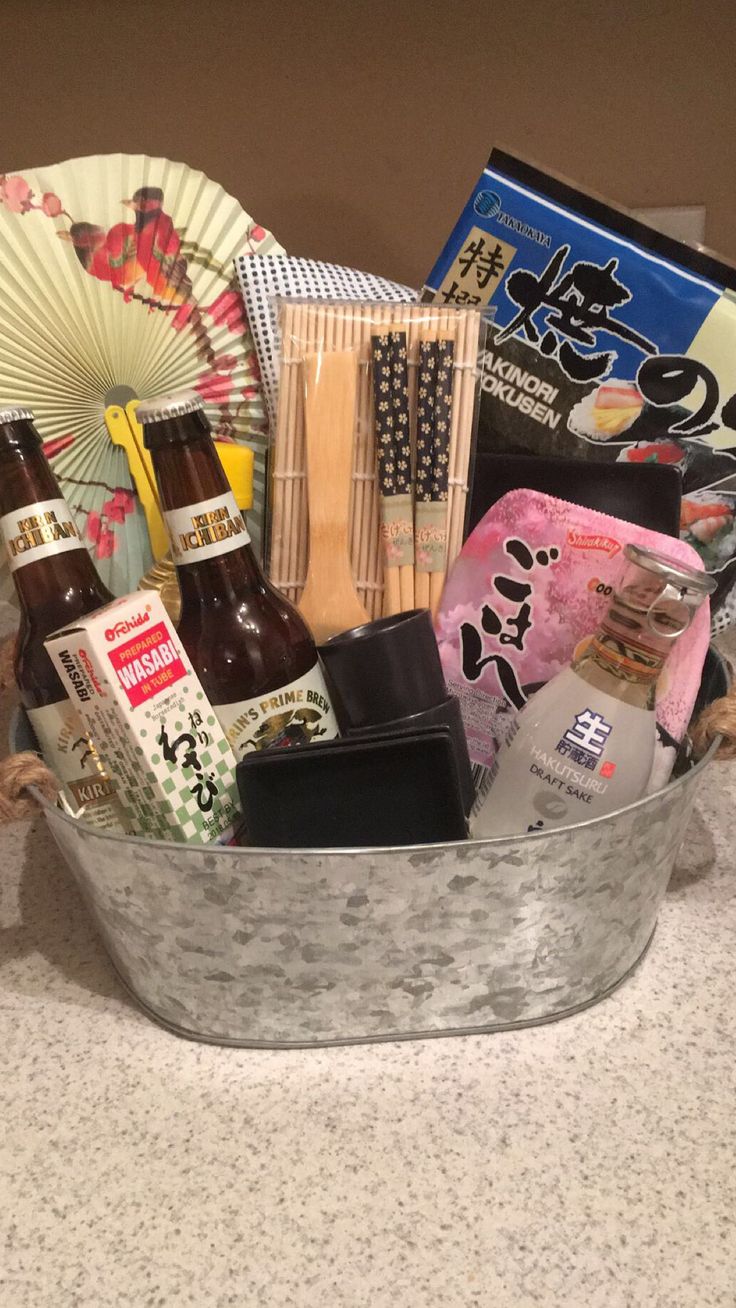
355, 130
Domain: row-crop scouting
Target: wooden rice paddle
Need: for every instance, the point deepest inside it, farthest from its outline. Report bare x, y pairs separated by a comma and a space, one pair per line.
329, 601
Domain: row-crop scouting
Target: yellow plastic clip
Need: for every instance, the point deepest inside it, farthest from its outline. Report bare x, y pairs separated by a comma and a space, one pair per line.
125, 430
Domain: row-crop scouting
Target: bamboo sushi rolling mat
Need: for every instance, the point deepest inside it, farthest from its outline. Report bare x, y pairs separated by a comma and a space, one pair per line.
306, 328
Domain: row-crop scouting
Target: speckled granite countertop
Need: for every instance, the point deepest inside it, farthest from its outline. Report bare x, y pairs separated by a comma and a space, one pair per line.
588, 1163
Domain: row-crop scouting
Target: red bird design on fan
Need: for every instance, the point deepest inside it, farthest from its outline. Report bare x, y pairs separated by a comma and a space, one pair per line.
144, 262
147, 251
158, 247
109, 256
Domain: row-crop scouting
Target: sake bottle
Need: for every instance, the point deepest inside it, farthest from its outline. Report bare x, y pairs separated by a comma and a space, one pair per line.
584, 745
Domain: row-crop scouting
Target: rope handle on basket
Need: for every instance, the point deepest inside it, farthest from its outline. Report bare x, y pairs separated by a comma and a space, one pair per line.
717, 719
19, 772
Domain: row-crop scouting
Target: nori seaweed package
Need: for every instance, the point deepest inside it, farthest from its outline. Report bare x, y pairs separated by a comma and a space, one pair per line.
609, 342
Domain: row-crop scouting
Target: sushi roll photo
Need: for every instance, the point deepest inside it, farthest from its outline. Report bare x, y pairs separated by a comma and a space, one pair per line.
707, 523
616, 413
671, 452
607, 412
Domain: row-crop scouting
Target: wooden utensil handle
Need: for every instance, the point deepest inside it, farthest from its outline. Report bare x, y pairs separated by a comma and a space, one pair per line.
392, 592
330, 382
421, 590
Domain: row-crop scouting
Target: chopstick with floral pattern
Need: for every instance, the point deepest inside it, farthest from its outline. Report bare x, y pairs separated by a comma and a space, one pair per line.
394, 461
434, 420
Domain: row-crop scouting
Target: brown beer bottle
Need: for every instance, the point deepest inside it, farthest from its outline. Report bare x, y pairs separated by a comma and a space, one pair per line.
56, 583
252, 651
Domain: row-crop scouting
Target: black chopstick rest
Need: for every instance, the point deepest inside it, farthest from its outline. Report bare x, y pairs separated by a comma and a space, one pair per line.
445, 714
395, 789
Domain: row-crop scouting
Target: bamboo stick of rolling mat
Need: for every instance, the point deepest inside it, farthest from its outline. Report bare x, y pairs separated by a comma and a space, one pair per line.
307, 338
467, 368
447, 388
276, 538
295, 499
284, 458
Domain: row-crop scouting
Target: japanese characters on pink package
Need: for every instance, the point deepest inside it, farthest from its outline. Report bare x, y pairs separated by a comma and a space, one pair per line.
530, 586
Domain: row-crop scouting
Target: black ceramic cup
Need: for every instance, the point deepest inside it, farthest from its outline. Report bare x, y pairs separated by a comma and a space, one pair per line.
447, 714
384, 670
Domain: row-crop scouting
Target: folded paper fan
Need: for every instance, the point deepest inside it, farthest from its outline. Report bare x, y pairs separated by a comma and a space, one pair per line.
288, 275
117, 284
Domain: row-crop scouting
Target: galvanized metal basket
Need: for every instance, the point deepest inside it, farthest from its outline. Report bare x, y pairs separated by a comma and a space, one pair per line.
306, 947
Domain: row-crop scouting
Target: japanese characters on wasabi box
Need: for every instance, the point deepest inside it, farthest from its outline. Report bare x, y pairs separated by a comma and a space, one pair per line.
127, 673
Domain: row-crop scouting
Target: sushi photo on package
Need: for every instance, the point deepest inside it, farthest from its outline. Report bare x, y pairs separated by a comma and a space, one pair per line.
608, 341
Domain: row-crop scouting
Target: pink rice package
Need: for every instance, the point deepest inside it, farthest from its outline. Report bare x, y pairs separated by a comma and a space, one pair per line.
533, 580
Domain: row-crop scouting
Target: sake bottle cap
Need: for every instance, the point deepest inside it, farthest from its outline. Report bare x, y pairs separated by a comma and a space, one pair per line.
664, 590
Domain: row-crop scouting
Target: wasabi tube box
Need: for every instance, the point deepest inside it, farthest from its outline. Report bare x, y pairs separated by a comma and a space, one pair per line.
128, 675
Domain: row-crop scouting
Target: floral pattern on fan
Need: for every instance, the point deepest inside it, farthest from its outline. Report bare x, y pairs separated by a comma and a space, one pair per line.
99, 534
117, 283
151, 253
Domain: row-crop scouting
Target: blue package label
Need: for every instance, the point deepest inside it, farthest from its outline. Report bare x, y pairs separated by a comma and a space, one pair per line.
608, 342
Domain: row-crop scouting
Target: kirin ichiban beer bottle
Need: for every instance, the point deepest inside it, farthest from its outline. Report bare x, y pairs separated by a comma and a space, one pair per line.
252, 651
56, 584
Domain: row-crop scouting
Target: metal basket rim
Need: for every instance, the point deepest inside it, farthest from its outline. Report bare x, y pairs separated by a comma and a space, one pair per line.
55, 814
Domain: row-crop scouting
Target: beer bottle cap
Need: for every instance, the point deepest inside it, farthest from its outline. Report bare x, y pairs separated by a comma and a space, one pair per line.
15, 413
168, 406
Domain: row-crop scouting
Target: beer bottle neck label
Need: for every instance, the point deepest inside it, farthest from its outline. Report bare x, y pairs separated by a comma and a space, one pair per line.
204, 530
37, 530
